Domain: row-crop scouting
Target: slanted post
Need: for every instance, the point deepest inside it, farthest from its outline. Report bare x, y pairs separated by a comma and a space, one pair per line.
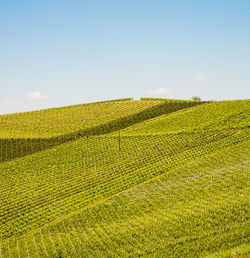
119, 140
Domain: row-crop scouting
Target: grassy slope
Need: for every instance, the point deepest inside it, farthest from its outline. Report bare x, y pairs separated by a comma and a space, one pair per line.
198, 209
48, 128
208, 117
66, 120
41, 187
59, 121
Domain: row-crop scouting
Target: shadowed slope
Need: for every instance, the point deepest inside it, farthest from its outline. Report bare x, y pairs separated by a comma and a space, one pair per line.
89, 119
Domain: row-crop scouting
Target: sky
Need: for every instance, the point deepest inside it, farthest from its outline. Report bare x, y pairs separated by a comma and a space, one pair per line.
57, 53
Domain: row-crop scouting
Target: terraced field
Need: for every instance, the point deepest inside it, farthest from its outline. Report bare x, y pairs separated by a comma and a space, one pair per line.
161, 178
213, 116
25, 133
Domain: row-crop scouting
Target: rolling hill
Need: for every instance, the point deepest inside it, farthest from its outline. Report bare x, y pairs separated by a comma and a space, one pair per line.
29, 132
153, 177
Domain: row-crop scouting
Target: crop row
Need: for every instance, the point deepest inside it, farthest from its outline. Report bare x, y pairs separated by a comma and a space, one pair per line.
59, 121
213, 116
198, 209
176, 100
102, 121
99, 151
45, 185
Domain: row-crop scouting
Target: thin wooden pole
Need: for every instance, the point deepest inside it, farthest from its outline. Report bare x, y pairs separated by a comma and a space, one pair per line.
119, 140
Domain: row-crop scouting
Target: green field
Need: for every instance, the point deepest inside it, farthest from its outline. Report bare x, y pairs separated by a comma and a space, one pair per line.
126, 178
26, 133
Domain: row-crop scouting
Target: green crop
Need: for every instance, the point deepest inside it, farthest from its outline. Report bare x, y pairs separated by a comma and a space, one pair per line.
213, 116
60, 121
48, 128
60, 180
195, 210
125, 178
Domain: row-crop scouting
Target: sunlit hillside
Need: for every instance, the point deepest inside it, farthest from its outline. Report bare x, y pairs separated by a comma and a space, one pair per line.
126, 178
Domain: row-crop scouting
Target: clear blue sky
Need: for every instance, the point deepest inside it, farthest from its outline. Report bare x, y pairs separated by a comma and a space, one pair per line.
55, 53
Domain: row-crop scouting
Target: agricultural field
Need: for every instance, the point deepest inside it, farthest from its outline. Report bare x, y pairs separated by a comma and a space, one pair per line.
222, 115
126, 178
48, 128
